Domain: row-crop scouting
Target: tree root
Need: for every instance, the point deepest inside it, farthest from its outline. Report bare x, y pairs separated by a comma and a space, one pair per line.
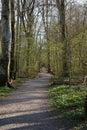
10, 84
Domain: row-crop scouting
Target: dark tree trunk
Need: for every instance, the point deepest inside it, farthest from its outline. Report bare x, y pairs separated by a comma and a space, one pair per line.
12, 64
48, 46
17, 40
85, 109
4, 66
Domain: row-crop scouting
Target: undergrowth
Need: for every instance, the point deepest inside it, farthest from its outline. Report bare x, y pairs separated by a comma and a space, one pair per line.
4, 91
70, 101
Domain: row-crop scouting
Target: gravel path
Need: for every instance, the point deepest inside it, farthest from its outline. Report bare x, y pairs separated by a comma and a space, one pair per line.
28, 108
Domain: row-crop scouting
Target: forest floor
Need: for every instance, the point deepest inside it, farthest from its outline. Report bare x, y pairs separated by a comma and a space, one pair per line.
28, 108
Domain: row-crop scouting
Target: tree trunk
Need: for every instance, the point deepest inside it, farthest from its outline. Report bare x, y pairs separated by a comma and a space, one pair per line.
4, 67
17, 40
61, 8
12, 64
48, 46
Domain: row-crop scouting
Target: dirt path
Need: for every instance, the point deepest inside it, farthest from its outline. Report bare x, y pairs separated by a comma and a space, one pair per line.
28, 108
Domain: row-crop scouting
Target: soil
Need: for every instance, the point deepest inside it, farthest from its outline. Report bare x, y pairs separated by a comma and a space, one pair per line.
28, 108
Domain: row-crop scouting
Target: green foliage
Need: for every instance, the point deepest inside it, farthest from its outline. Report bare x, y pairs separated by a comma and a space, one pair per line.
76, 114
78, 49
69, 101
60, 78
67, 97
4, 91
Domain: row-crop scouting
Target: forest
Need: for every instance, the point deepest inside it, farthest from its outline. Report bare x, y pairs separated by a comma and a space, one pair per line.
44, 33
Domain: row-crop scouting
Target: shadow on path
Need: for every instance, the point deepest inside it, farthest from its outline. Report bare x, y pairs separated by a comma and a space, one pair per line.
28, 108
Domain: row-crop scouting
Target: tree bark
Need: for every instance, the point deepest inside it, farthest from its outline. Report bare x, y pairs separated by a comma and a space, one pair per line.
17, 40
12, 64
48, 46
61, 8
5, 45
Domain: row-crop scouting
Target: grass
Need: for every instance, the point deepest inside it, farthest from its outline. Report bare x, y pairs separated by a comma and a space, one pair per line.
70, 101
55, 78
4, 91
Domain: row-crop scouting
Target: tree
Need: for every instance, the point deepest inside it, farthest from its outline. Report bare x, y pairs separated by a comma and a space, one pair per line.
61, 9
12, 61
5, 44
27, 13
45, 17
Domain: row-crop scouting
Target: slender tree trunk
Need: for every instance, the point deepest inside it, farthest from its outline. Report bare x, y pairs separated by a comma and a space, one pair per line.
17, 39
45, 22
48, 46
4, 67
12, 64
